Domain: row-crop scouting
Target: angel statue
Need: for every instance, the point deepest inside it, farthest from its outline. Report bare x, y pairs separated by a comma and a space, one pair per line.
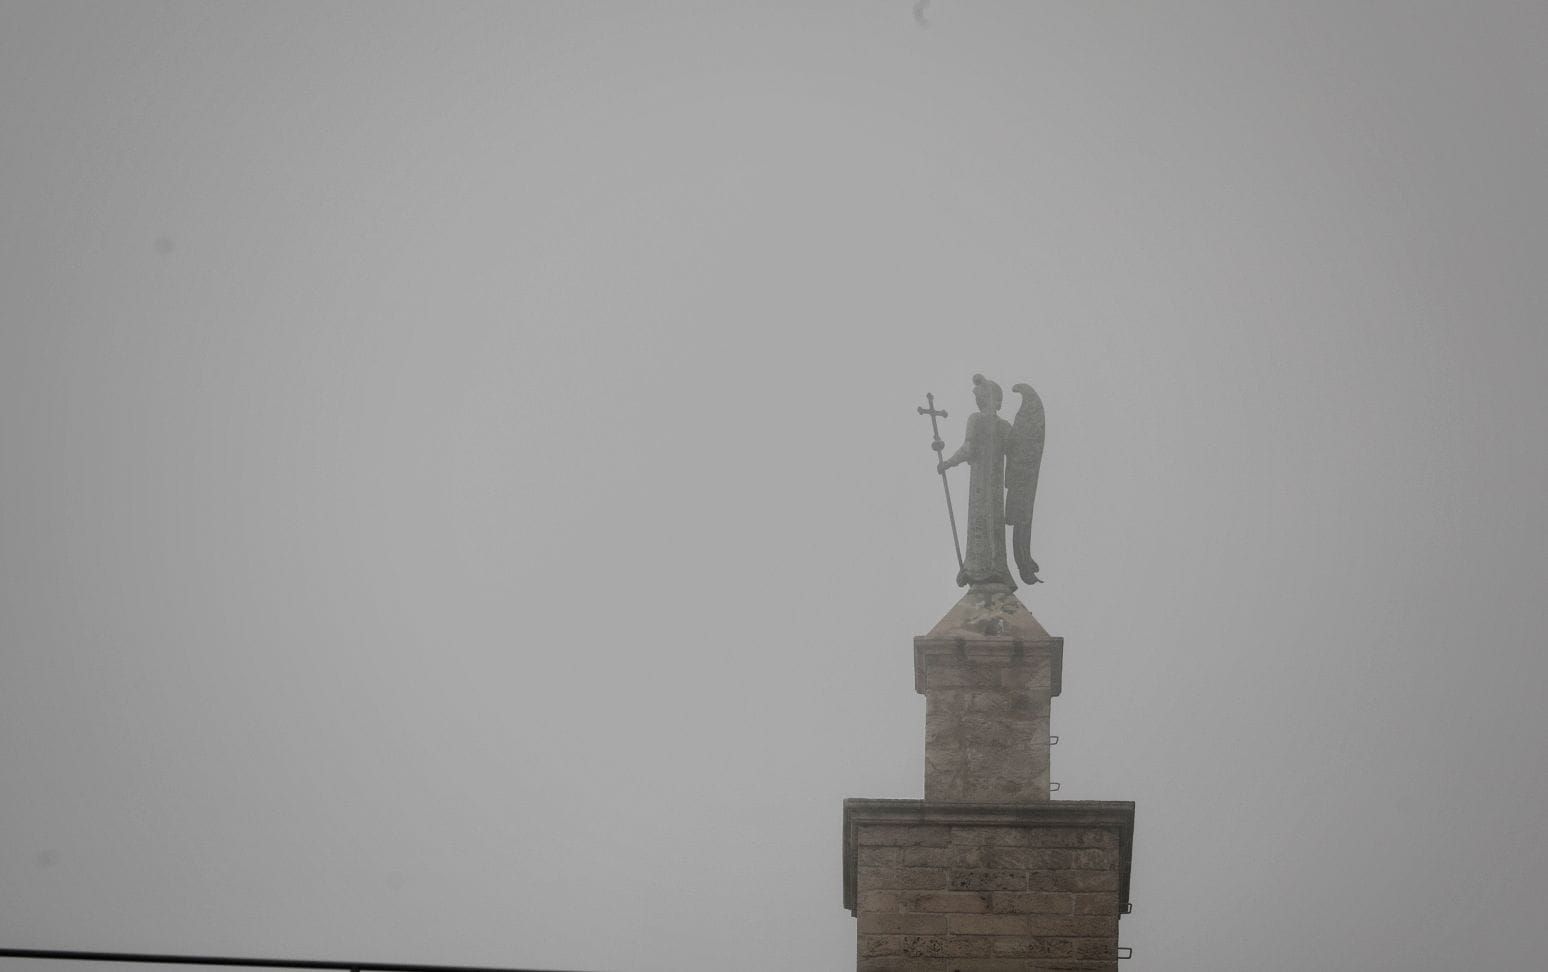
1002, 485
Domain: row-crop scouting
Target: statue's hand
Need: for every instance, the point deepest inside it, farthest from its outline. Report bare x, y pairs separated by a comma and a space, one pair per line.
942, 466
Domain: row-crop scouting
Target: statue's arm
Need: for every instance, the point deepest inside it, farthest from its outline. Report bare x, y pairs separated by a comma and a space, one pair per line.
965, 453
957, 458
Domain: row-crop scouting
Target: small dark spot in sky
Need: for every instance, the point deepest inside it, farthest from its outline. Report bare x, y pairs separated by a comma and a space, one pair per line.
919, 9
46, 858
164, 245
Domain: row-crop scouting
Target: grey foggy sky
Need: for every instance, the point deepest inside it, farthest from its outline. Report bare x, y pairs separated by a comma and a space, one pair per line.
461, 499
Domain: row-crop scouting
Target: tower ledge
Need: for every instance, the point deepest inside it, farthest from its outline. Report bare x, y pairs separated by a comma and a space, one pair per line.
961, 827
986, 624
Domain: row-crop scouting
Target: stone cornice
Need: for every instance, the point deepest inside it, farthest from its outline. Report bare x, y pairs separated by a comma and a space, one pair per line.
1115, 815
990, 648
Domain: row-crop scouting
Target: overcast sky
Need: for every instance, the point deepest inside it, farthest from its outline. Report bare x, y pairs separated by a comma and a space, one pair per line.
461, 498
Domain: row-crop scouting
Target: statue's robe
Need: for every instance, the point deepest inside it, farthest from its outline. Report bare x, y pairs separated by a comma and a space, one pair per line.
984, 452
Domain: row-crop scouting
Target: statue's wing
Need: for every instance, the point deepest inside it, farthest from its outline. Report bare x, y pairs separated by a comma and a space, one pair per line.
1023, 456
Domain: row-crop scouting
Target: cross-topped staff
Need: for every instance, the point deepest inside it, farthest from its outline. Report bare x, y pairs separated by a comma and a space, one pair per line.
939, 447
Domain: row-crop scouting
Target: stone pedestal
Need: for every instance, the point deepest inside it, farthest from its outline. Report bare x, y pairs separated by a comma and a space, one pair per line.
987, 874
973, 887
988, 672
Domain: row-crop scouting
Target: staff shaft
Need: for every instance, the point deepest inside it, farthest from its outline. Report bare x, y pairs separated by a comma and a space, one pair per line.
952, 516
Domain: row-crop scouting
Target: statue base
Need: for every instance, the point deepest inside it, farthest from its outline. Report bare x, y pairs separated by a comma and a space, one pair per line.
988, 672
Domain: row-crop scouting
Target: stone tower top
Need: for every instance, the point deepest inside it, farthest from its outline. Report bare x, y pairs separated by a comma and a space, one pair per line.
984, 614
988, 672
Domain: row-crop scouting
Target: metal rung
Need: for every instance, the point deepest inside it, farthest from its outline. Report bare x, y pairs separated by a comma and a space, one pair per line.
1053, 740
1053, 787
1123, 949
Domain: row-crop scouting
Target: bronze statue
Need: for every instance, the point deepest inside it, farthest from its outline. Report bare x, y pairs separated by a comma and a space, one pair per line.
1000, 456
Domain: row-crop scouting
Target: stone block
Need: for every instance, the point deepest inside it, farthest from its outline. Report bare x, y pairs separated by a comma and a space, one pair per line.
1014, 925
945, 902
902, 878
872, 945
904, 836
875, 902
1082, 837
1095, 904
1097, 948
943, 964
984, 880
885, 924
1032, 858
1032, 902
1095, 860
880, 856
944, 857
1067, 926
989, 836
940, 946
1072, 881
1013, 947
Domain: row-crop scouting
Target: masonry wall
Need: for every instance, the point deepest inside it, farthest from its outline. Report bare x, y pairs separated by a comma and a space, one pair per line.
986, 720
987, 874
939, 898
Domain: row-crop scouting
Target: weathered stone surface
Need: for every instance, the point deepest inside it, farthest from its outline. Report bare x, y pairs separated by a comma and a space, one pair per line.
990, 836
1034, 947
904, 836
945, 857
987, 925
885, 924
902, 878
1072, 881
879, 856
1033, 858
943, 964
987, 671
951, 902
880, 945
1095, 904
1073, 838
876, 902
1032, 902
979, 880
988, 615
947, 947
1071, 927
900, 963
1097, 948
1049, 900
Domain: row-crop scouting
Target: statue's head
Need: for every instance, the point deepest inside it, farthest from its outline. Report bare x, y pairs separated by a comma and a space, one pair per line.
987, 394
